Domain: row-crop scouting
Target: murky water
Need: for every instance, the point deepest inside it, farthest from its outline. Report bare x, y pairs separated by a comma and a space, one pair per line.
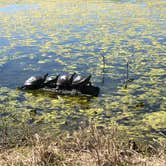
56, 37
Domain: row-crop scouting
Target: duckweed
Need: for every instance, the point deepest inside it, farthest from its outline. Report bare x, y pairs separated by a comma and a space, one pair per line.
87, 37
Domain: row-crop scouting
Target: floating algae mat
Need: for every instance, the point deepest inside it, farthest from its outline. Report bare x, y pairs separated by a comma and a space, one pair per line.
87, 37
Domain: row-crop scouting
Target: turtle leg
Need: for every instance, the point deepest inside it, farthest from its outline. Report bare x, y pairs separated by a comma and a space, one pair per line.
89, 83
22, 87
57, 87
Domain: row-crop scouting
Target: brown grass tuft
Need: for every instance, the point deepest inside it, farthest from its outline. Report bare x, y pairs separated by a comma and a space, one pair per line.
92, 146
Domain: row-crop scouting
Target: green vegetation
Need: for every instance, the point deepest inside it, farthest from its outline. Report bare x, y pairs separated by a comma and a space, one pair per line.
97, 37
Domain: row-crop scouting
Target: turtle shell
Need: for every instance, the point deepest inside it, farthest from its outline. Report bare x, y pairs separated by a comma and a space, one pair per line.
64, 81
35, 82
51, 81
81, 80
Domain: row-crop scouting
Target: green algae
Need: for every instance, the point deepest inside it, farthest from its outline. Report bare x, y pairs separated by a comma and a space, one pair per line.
74, 37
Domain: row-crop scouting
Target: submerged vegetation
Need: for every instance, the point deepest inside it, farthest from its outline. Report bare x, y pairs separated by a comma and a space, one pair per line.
86, 37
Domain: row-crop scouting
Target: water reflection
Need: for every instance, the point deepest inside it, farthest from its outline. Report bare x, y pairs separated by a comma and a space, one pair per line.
76, 102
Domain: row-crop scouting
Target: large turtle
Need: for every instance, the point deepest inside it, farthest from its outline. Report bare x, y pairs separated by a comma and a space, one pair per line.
81, 81
34, 82
64, 81
51, 81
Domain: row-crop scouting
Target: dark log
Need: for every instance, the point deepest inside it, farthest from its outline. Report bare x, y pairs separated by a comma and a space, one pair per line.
84, 91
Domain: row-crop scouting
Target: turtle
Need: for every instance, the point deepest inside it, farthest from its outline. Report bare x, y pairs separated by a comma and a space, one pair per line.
81, 81
64, 81
51, 81
34, 82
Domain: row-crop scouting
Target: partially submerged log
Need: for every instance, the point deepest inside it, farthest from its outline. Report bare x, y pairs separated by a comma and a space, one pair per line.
84, 91
65, 84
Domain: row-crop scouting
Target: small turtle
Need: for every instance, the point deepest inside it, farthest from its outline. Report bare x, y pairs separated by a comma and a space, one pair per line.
64, 81
81, 81
34, 82
51, 81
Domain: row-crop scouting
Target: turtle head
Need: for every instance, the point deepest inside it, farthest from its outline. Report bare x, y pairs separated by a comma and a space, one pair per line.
56, 79
45, 76
89, 77
72, 77
21, 87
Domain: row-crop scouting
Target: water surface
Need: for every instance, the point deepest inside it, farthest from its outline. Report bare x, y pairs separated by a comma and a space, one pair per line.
64, 36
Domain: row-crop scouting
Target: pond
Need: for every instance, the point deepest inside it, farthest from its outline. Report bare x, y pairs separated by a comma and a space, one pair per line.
51, 36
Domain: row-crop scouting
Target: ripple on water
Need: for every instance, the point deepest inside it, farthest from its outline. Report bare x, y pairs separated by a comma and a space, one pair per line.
15, 8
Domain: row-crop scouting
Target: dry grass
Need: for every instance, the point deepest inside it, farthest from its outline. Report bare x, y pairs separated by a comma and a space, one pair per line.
87, 147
